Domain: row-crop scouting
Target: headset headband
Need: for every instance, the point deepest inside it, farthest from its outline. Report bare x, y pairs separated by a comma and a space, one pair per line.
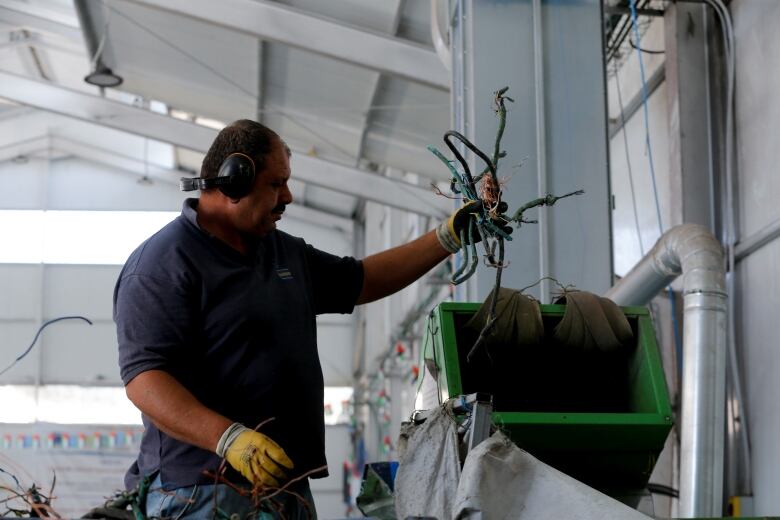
234, 177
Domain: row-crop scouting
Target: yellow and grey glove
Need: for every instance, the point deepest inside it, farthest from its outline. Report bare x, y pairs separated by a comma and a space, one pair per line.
254, 455
449, 231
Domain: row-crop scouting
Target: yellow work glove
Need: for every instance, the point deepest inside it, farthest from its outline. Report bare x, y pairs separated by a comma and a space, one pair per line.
254, 455
449, 231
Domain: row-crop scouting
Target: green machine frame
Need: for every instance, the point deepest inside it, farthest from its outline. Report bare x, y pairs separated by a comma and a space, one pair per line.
612, 452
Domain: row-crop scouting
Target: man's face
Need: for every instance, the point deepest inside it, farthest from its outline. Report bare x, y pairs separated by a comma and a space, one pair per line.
257, 213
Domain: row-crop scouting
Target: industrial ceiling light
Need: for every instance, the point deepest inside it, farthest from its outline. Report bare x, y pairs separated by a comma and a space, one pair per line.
103, 76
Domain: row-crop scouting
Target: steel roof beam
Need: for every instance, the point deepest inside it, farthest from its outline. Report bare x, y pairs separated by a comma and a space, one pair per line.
170, 176
297, 28
139, 121
135, 166
376, 83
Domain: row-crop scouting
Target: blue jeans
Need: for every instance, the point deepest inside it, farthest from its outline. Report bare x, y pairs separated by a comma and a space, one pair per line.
221, 502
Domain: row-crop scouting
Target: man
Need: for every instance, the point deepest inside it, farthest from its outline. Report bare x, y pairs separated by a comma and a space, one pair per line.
215, 319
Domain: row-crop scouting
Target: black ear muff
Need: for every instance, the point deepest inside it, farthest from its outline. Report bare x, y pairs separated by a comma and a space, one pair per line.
235, 177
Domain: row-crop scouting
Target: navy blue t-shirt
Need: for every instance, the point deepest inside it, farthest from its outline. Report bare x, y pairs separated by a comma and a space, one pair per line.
238, 331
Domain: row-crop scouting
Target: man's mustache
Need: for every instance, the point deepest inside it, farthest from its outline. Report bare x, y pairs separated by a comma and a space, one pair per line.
279, 209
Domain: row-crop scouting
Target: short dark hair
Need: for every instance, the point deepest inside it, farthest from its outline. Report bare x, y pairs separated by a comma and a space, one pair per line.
245, 136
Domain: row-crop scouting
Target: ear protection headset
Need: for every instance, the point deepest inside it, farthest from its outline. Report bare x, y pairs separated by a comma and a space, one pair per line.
234, 179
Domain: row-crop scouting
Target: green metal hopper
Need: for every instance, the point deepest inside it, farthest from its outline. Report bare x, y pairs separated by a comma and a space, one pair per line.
601, 418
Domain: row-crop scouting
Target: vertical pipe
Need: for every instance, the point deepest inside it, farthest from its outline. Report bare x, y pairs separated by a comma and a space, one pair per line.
541, 150
703, 405
692, 251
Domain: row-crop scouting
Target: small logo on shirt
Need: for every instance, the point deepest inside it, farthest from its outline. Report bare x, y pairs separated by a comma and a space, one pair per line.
284, 273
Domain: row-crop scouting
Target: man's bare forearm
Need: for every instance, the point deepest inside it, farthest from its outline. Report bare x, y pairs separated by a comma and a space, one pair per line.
390, 271
175, 411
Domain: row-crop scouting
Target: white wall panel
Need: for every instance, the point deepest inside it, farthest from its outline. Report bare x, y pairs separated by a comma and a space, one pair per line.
625, 238
629, 72
757, 318
15, 337
78, 289
335, 346
76, 184
27, 182
77, 353
35, 124
328, 240
757, 111
758, 157
327, 492
19, 292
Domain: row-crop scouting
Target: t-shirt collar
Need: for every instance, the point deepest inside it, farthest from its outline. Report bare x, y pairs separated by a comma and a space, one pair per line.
189, 212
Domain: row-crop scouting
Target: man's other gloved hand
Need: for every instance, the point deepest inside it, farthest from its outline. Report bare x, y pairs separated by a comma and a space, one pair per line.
254, 455
449, 231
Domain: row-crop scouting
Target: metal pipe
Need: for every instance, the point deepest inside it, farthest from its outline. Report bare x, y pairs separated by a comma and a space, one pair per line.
101, 74
541, 152
692, 250
87, 28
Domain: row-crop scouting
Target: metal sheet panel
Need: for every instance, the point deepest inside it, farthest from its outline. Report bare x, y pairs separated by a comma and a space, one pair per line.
76, 353
271, 21
190, 64
20, 298
757, 155
27, 180
80, 290
626, 243
499, 43
17, 336
759, 299
757, 112
335, 345
74, 183
327, 492
181, 133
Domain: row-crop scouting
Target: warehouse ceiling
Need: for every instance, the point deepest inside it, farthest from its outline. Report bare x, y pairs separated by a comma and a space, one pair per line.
355, 86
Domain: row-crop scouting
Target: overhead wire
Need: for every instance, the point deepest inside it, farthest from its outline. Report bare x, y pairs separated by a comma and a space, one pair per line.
616, 42
646, 51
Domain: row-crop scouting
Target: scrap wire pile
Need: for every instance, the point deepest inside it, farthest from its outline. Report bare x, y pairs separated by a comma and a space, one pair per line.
488, 218
26, 503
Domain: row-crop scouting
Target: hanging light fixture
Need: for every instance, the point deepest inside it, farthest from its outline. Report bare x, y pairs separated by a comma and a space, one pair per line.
103, 76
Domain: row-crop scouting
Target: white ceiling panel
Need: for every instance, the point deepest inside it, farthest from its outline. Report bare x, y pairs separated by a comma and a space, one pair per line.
19, 281
415, 21
369, 14
80, 290
77, 353
17, 336
191, 65
306, 81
